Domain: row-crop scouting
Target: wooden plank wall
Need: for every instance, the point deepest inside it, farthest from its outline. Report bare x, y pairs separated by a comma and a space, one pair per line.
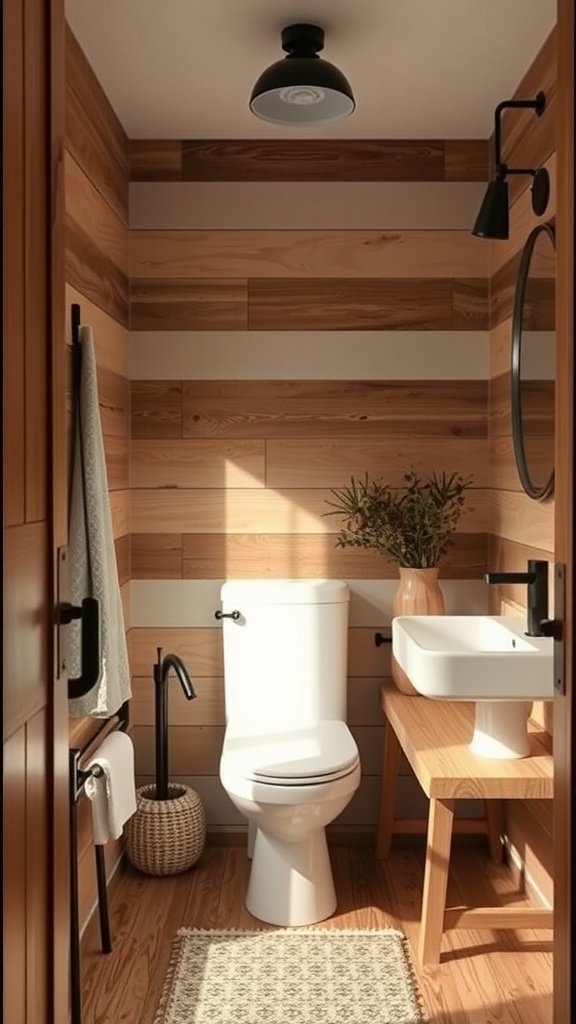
96, 188
300, 312
520, 528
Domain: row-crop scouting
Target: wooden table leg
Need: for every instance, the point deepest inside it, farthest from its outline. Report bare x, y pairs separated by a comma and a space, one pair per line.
438, 844
390, 764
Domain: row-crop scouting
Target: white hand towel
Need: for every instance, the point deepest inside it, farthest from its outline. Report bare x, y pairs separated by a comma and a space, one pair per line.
113, 794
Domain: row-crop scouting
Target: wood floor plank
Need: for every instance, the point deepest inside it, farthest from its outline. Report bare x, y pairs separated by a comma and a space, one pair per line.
483, 977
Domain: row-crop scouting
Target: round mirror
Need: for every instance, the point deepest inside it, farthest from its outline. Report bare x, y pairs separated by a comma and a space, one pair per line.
534, 363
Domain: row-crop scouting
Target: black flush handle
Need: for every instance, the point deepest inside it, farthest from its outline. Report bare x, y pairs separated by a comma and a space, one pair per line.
380, 639
89, 614
227, 615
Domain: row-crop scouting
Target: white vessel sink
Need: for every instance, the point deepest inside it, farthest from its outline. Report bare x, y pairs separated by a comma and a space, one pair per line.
482, 658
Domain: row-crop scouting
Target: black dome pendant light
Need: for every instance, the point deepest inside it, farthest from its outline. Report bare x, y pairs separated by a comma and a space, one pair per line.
302, 89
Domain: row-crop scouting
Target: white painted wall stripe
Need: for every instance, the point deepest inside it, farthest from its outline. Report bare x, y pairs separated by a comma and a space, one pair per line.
436, 205
192, 603
309, 355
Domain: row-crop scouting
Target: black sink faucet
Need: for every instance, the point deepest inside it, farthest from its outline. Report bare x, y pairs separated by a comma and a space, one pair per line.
536, 577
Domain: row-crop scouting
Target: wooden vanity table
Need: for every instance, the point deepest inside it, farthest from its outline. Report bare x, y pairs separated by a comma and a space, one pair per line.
434, 736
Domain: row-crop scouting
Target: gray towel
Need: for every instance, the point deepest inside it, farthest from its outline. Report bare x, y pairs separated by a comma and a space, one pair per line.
92, 561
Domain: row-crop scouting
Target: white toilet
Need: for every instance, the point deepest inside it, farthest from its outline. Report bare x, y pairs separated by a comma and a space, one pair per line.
289, 762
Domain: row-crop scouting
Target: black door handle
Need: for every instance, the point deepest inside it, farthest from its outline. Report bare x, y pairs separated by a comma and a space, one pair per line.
89, 613
227, 615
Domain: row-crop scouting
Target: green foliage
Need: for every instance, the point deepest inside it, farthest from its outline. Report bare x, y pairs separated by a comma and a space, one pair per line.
412, 525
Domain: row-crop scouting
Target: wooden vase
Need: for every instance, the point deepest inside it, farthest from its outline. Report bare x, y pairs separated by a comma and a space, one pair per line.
418, 593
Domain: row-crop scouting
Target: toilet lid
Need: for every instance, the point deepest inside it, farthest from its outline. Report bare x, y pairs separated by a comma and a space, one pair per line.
302, 756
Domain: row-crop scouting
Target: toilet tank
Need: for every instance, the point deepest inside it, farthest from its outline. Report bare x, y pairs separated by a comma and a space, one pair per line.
285, 655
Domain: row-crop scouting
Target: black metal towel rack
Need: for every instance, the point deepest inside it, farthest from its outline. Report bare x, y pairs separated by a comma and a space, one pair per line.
89, 614
77, 779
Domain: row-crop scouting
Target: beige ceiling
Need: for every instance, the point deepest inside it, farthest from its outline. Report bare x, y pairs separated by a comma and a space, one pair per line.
418, 68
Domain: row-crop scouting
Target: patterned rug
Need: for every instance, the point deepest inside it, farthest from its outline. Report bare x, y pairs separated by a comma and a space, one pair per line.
290, 976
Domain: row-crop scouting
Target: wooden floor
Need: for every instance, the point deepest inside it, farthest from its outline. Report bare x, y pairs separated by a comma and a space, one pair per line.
483, 978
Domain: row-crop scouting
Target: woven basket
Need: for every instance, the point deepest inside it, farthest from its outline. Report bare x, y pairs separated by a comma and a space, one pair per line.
165, 837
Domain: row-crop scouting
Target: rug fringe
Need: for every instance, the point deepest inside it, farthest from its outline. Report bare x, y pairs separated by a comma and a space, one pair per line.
282, 930
168, 987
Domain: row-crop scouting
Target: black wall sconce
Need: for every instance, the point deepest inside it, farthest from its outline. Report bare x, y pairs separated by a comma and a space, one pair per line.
493, 218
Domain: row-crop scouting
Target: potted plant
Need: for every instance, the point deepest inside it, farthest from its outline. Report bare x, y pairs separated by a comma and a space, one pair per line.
412, 525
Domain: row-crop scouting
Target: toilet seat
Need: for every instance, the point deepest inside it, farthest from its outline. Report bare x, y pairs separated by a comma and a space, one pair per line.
308, 755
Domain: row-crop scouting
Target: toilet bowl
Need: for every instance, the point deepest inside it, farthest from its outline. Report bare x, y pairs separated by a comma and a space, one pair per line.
289, 762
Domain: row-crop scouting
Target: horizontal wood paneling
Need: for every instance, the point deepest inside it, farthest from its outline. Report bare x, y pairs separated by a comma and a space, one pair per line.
120, 512
94, 135
122, 549
117, 462
187, 305
276, 409
91, 271
309, 462
290, 409
155, 160
111, 340
181, 304
365, 304
114, 399
294, 254
500, 345
201, 649
466, 160
246, 510
210, 556
156, 409
540, 312
156, 556
320, 462
197, 463
207, 709
511, 556
470, 305
310, 160
91, 212
193, 750
517, 517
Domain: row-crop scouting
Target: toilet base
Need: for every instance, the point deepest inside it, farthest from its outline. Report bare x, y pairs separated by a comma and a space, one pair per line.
291, 883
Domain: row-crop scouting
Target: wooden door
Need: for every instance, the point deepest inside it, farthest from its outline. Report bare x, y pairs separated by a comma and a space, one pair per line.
34, 517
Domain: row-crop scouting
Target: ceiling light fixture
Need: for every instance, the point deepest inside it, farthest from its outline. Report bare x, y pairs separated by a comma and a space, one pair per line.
302, 89
493, 218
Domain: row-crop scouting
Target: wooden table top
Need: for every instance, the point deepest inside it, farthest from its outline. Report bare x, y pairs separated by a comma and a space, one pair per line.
435, 737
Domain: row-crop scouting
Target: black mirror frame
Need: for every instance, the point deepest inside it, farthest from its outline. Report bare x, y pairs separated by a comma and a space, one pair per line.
532, 491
